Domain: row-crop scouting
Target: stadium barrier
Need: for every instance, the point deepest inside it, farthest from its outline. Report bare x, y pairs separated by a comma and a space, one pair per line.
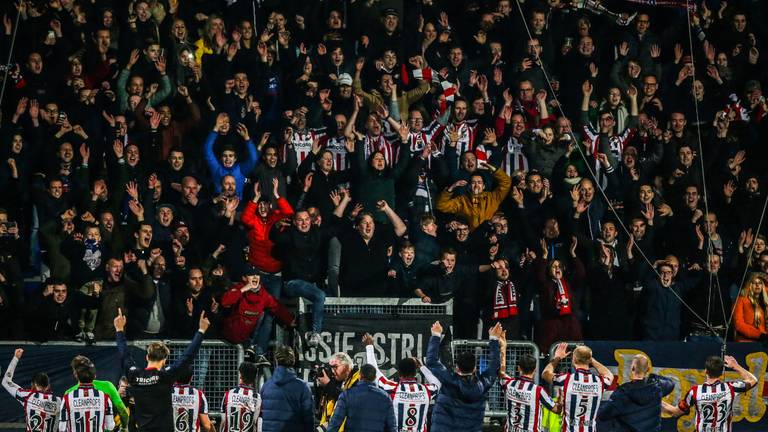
400, 328
215, 366
496, 404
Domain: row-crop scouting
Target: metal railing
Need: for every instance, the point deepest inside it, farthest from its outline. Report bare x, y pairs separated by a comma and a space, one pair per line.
496, 403
215, 365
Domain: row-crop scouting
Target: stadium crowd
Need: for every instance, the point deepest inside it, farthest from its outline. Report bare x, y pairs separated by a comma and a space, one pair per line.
570, 173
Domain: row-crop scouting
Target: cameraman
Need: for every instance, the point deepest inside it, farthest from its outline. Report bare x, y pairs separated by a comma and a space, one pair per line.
345, 375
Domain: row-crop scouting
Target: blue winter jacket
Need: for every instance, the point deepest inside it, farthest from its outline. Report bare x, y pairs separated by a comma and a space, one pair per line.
460, 405
240, 170
286, 403
635, 406
365, 408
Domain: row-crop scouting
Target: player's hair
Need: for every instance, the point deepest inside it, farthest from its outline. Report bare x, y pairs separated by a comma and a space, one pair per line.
714, 366
527, 364
41, 381
466, 362
368, 373
79, 360
85, 372
157, 351
582, 354
641, 364
185, 374
284, 356
248, 372
406, 368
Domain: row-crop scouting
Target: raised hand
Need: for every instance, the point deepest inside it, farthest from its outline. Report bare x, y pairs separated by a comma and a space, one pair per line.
120, 320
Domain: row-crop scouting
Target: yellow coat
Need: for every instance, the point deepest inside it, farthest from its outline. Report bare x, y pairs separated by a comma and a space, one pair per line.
476, 208
330, 404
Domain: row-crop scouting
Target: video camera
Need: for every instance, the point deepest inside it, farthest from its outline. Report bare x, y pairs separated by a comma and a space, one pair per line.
318, 369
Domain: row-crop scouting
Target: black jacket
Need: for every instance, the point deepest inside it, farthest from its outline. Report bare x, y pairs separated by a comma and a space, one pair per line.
635, 406
303, 253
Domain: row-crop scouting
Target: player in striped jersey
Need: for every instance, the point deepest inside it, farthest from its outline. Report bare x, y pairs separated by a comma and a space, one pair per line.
86, 409
525, 398
40, 405
582, 388
714, 399
410, 398
190, 407
241, 405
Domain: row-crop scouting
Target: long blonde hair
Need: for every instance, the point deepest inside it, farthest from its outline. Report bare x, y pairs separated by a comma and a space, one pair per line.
758, 301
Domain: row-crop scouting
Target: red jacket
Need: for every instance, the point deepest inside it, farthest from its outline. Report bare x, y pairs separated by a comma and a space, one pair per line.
244, 309
260, 251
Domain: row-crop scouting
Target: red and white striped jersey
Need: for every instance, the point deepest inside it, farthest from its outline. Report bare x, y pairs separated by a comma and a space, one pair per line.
383, 145
240, 410
514, 158
467, 132
410, 398
302, 143
86, 410
524, 401
337, 146
582, 392
188, 403
714, 404
40, 408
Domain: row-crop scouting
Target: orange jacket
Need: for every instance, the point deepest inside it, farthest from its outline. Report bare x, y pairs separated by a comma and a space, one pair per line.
744, 321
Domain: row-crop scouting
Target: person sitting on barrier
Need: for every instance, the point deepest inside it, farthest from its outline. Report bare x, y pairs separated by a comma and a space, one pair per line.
151, 387
410, 398
104, 386
635, 406
364, 407
460, 404
38, 401
714, 394
245, 304
241, 405
190, 406
286, 400
345, 375
525, 399
582, 388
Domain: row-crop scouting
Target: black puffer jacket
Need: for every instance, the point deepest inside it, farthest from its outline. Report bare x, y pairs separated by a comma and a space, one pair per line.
635, 406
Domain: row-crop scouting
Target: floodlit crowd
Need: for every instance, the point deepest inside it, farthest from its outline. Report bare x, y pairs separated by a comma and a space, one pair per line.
571, 173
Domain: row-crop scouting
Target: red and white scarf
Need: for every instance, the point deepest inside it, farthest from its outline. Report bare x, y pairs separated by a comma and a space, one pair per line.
505, 300
563, 297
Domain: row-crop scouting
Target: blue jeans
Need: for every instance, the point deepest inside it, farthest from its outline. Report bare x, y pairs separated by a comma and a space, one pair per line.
309, 291
263, 332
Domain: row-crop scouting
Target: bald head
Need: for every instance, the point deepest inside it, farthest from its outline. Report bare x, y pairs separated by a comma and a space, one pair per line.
582, 356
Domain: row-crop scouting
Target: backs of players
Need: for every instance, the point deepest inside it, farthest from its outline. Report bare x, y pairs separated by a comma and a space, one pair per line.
240, 410
86, 410
188, 404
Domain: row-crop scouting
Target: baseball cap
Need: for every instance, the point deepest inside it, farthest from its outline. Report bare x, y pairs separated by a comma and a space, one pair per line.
344, 79
390, 11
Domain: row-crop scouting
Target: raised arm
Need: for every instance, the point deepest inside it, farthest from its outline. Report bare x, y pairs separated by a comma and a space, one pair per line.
433, 354
189, 354
561, 352
749, 379
602, 370
8, 383
122, 347
397, 224
370, 356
